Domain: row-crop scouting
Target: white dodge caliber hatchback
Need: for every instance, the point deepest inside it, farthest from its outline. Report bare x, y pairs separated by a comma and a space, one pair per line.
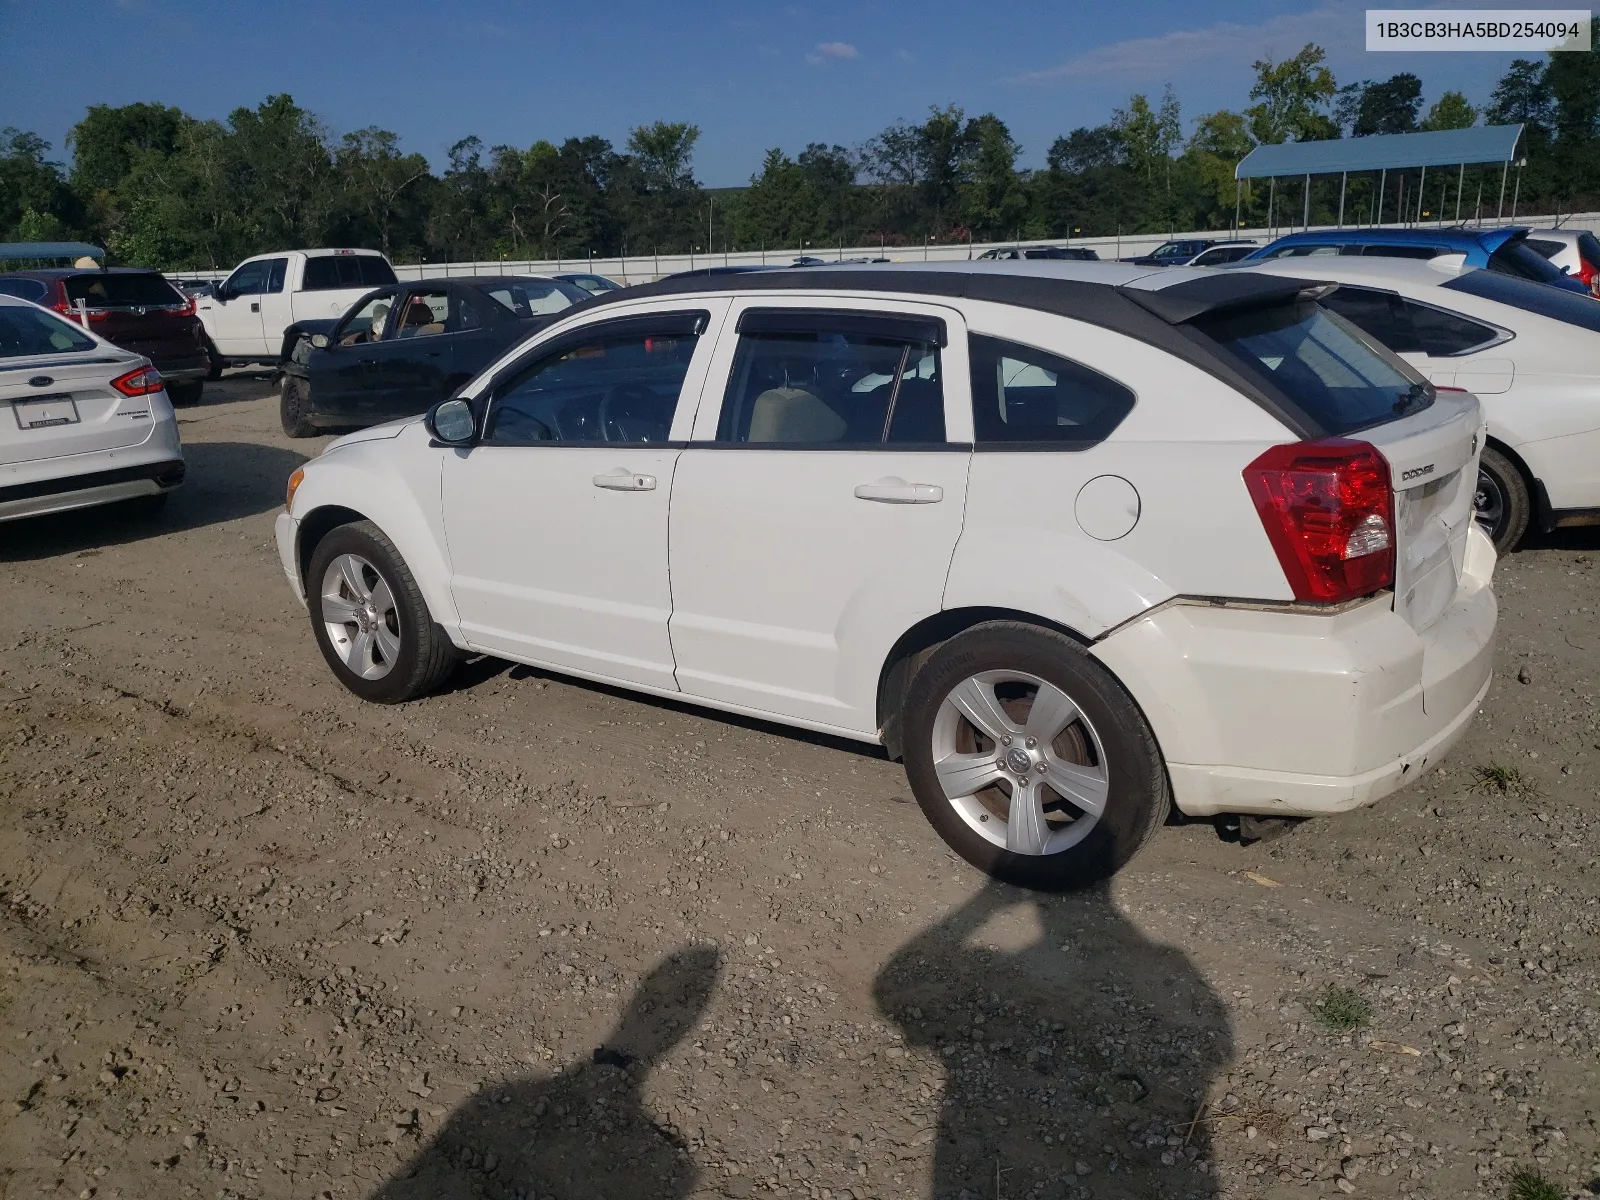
1075, 541
82, 422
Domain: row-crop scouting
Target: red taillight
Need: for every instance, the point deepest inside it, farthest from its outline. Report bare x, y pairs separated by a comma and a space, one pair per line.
72, 313
1328, 509
140, 382
188, 307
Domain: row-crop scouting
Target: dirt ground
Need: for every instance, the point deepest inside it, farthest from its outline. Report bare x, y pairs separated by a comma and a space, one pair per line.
534, 938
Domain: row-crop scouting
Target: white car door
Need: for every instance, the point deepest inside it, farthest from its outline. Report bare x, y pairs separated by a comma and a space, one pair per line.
233, 314
276, 311
815, 513
557, 518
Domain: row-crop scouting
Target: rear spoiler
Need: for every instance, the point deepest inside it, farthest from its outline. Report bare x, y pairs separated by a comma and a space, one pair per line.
1182, 302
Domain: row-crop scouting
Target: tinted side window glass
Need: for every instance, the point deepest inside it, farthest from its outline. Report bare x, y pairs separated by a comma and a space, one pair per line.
1389, 251
27, 289
423, 314
834, 388
617, 387
1548, 249
1378, 314
321, 274
1518, 260
1442, 334
248, 280
275, 270
373, 271
1020, 394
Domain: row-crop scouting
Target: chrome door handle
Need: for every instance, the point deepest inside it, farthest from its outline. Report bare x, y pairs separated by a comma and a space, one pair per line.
625, 481
895, 490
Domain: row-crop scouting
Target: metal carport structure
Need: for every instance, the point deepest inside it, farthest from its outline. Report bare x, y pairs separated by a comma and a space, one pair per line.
1383, 153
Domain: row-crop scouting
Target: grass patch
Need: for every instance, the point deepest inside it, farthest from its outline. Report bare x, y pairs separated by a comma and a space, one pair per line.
1530, 1185
1342, 1009
1499, 780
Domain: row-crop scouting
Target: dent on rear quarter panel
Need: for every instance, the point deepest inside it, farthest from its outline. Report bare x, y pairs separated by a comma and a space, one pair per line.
399, 492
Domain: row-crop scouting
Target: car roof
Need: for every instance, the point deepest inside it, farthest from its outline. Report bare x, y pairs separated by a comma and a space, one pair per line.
1462, 239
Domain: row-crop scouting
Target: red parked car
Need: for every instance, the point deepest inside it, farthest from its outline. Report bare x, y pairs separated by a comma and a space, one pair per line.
135, 308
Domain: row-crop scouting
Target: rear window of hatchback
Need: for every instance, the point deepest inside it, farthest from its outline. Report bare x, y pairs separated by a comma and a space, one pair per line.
142, 290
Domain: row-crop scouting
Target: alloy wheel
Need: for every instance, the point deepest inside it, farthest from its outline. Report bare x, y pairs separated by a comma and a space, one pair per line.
1020, 762
1489, 504
359, 615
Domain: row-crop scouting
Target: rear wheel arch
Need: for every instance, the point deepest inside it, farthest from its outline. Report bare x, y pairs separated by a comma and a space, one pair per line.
916, 644
1536, 500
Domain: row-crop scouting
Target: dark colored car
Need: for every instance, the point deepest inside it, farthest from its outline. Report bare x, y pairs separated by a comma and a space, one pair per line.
134, 308
1174, 253
1505, 251
401, 349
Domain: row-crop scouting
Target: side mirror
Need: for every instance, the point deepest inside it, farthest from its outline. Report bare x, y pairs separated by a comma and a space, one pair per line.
319, 341
452, 422
222, 292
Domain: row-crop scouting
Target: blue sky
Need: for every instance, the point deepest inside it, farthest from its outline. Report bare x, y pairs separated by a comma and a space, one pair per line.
750, 74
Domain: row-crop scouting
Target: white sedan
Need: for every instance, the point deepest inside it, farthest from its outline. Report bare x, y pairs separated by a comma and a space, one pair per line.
1077, 541
1529, 352
84, 422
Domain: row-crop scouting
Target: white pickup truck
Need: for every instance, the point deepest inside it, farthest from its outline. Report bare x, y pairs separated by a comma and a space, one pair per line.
245, 315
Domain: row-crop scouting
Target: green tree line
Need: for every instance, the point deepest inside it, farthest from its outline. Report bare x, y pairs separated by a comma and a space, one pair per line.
157, 186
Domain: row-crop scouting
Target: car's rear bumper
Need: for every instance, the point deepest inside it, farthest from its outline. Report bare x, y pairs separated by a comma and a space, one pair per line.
1287, 713
91, 488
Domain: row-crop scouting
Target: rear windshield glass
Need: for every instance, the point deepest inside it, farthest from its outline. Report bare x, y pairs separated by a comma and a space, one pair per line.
1524, 262
1333, 374
25, 331
534, 299
327, 271
1556, 303
122, 291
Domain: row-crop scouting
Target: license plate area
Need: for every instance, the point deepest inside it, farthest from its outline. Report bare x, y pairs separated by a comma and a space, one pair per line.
45, 412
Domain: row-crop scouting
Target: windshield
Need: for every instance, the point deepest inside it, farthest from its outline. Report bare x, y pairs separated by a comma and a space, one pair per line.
1331, 371
122, 291
1518, 259
26, 331
1558, 304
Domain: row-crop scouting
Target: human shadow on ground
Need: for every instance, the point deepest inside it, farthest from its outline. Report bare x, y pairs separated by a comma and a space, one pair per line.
1075, 1066
584, 1133
225, 481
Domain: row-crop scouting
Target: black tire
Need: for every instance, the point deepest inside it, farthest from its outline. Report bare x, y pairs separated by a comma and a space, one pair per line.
1138, 795
294, 407
186, 392
425, 658
215, 373
1502, 502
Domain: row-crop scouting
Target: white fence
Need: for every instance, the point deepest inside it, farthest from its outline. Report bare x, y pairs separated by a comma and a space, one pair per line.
643, 268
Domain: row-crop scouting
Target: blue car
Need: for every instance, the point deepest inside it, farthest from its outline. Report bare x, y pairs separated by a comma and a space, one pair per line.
1504, 251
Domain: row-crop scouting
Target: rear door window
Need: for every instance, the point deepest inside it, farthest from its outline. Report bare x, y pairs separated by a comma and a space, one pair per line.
836, 379
325, 272
122, 291
1023, 395
1321, 364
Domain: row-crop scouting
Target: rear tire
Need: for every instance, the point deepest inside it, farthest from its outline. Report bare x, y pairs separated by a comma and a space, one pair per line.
294, 407
1070, 720
1502, 504
185, 393
354, 571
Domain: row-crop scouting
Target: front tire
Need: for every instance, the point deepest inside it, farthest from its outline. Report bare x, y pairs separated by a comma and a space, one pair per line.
1030, 760
1502, 504
370, 619
294, 407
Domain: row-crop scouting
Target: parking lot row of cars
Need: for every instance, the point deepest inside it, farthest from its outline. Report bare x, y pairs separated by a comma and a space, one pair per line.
1079, 542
